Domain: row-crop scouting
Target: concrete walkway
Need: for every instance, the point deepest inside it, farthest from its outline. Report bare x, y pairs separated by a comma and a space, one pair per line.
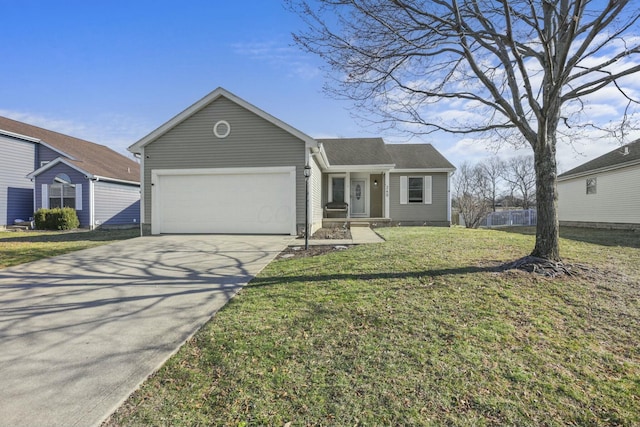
80, 332
359, 236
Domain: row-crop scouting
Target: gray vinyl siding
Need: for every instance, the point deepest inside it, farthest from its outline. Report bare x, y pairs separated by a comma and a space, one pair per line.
48, 176
16, 190
315, 187
253, 142
116, 204
435, 212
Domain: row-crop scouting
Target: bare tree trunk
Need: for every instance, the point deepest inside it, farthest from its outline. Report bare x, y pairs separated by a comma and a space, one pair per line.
547, 228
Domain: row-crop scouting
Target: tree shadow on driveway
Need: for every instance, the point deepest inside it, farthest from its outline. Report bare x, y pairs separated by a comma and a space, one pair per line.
80, 331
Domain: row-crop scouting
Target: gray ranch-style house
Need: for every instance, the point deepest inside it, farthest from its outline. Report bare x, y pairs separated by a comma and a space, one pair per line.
226, 166
45, 169
603, 192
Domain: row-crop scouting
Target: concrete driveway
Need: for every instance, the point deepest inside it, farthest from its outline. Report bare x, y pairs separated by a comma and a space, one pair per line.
79, 332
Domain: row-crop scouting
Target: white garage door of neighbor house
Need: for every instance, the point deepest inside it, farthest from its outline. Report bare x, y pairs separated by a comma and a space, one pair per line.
249, 200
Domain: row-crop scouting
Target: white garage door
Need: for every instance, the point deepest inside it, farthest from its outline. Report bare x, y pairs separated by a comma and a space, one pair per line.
247, 200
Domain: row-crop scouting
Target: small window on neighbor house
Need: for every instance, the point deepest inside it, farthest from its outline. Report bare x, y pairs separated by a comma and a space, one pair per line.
337, 189
592, 184
416, 189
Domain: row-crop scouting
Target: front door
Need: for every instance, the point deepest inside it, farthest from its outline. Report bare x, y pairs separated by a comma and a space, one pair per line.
358, 197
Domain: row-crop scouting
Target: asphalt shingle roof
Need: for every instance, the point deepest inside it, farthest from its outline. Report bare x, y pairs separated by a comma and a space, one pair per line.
373, 151
93, 158
417, 156
611, 159
356, 151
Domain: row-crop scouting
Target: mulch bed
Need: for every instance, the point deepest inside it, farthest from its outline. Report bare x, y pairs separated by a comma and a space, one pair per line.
333, 233
299, 252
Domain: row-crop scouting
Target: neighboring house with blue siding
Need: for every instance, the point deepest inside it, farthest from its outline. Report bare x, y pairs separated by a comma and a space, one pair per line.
225, 166
16, 190
46, 169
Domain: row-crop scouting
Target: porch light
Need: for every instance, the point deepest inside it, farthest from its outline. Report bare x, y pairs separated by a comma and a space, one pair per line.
375, 182
307, 171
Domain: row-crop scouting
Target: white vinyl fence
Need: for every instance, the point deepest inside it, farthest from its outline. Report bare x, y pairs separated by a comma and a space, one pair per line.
510, 218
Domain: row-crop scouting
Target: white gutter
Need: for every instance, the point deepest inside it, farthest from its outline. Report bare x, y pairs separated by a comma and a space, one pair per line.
19, 136
424, 170
360, 168
104, 178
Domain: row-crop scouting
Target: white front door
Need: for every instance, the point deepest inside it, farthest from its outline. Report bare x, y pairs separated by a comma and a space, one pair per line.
358, 203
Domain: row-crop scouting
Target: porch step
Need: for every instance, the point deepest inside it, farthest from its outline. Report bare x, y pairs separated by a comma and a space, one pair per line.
359, 224
17, 227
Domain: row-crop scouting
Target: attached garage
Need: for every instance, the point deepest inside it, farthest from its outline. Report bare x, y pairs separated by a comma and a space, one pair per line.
258, 200
223, 166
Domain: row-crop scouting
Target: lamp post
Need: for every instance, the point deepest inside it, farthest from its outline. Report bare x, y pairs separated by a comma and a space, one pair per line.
307, 174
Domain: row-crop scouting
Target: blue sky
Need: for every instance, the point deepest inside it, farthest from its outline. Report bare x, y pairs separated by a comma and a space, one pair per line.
113, 71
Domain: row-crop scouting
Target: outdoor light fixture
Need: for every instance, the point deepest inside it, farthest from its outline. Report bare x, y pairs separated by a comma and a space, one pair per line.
375, 182
307, 174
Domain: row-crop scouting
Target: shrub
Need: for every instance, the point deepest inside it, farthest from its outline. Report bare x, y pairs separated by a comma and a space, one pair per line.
56, 219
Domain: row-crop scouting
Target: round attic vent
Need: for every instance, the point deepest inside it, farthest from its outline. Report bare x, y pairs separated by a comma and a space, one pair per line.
222, 129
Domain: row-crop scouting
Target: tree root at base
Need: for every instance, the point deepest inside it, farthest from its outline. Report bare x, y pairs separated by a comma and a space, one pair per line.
543, 267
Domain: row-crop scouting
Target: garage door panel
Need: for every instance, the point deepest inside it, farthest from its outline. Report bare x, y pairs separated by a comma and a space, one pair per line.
258, 202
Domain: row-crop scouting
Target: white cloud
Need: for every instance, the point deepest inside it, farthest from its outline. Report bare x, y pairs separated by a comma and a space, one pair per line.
281, 56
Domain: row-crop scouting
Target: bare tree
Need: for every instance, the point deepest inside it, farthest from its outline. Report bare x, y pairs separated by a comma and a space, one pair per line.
493, 169
470, 184
517, 70
519, 173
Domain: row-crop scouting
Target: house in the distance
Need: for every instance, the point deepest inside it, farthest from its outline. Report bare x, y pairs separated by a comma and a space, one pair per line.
226, 166
604, 192
40, 168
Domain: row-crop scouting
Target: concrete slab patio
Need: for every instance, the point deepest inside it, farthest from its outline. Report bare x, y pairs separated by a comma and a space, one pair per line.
79, 332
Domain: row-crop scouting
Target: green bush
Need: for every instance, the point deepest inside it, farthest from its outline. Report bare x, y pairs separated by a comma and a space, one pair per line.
56, 219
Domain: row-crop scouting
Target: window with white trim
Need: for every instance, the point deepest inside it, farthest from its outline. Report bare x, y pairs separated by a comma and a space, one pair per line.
592, 185
415, 189
64, 194
337, 189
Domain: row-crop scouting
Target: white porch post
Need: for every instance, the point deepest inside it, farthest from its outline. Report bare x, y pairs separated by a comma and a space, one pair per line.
386, 195
449, 197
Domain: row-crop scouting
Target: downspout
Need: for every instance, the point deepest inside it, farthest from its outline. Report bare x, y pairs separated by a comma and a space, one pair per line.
142, 191
92, 203
36, 162
449, 175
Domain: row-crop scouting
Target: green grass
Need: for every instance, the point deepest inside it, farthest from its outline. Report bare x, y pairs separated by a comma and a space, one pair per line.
20, 247
416, 331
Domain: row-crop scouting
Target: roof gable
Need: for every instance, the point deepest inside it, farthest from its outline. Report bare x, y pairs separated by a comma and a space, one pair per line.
204, 102
95, 159
626, 155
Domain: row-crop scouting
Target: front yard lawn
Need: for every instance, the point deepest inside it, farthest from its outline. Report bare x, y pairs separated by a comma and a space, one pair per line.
20, 247
419, 330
